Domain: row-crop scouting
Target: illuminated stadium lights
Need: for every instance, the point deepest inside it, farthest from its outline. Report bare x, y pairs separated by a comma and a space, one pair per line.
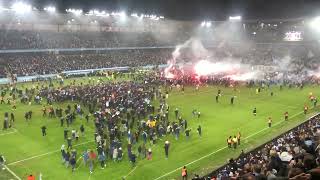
154, 17
315, 23
76, 12
50, 9
21, 8
122, 14
206, 24
235, 18
97, 13
134, 15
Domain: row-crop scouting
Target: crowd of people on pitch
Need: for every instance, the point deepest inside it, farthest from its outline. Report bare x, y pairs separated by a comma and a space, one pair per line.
123, 115
24, 65
294, 154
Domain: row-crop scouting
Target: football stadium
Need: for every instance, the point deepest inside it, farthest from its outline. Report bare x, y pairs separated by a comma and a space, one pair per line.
159, 90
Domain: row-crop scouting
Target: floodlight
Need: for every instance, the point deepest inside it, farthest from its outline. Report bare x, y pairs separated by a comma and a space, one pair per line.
134, 15
161, 17
208, 24
122, 14
50, 9
237, 18
21, 8
203, 23
76, 12
315, 23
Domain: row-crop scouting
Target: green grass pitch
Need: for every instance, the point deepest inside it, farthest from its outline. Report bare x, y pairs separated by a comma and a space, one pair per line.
27, 152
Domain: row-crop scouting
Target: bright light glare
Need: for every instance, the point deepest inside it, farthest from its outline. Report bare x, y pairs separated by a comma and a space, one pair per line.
50, 9
122, 14
243, 77
235, 18
203, 23
76, 12
315, 23
96, 12
134, 15
208, 24
20, 7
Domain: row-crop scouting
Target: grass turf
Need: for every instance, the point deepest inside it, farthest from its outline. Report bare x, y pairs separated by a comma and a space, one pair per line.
218, 121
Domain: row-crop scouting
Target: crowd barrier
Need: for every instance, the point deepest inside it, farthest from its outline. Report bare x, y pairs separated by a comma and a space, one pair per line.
74, 72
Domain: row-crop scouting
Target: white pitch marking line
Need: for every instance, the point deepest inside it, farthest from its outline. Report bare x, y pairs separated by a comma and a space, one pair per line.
51, 152
131, 172
214, 152
14, 174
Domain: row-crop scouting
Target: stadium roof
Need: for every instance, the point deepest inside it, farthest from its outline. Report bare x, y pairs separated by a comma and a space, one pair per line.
194, 9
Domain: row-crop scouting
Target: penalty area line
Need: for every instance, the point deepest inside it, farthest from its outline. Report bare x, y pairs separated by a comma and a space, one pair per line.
216, 151
44, 154
11, 172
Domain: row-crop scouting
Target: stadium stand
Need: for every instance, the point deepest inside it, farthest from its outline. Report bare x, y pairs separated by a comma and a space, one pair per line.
286, 156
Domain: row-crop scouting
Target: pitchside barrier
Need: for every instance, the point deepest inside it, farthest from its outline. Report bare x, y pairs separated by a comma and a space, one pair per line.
215, 172
69, 73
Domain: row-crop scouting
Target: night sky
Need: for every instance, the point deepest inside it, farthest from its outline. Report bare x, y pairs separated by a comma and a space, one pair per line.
198, 9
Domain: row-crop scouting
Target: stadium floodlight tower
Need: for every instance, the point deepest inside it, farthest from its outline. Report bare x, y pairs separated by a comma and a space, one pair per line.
21, 7
50, 9
235, 18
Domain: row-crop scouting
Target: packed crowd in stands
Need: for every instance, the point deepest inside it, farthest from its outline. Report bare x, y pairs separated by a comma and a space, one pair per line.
297, 58
24, 65
294, 154
14, 39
